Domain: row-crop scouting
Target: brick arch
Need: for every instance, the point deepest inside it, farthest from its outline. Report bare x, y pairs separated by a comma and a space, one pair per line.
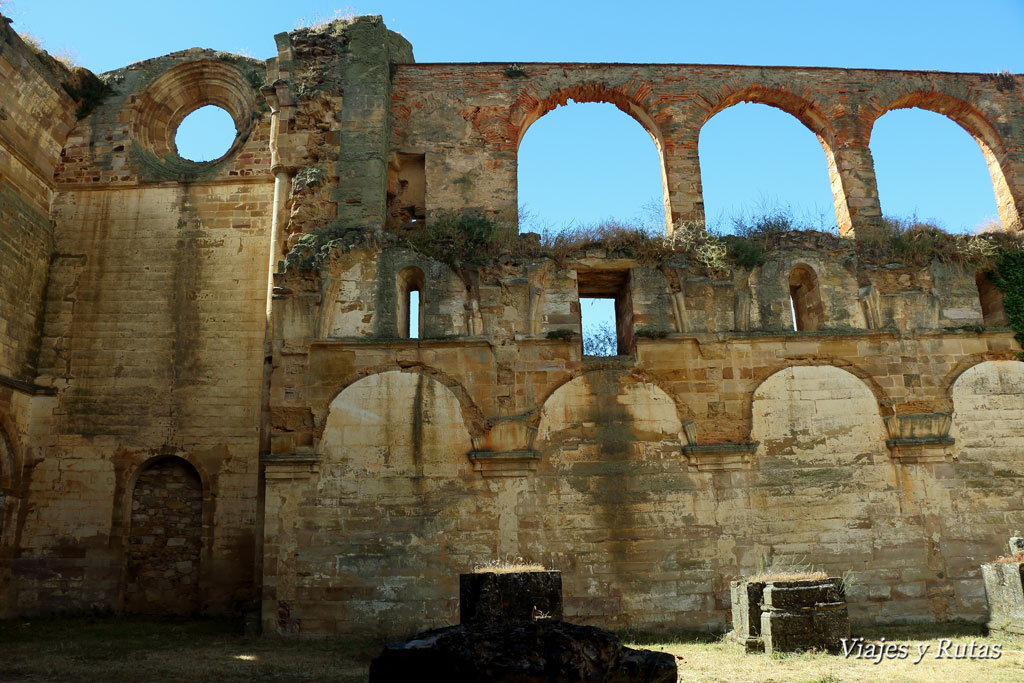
847, 395
165, 538
476, 422
797, 106
683, 411
630, 98
976, 124
962, 367
592, 382
803, 110
407, 423
869, 382
633, 98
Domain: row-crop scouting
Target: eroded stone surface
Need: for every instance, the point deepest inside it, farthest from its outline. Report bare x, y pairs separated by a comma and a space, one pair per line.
1004, 588
522, 652
510, 596
804, 615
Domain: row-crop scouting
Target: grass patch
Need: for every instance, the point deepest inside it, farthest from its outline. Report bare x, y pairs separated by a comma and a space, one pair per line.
1017, 557
510, 565
132, 649
788, 576
704, 657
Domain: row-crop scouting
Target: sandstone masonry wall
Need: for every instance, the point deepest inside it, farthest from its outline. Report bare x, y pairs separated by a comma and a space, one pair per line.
35, 116
154, 333
343, 474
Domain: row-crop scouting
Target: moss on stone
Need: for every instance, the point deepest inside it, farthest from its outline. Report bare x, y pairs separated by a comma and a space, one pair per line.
1008, 277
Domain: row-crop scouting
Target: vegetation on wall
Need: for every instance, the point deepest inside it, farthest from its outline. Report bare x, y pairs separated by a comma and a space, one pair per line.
313, 249
89, 92
1008, 277
456, 238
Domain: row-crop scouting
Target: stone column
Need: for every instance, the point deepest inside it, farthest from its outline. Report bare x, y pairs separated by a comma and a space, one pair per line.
854, 189
681, 169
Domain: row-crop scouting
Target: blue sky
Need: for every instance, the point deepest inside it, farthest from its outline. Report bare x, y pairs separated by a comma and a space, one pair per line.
585, 163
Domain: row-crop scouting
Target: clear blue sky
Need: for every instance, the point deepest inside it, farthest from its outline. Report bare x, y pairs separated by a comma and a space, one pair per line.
584, 163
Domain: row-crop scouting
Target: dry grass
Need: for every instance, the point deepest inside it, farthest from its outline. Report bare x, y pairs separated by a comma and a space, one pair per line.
318, 22
787, 576
119, 649
703, 659
1017, 557
509, 565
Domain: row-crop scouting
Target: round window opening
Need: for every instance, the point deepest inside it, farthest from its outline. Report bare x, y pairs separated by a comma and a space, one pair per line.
205, 134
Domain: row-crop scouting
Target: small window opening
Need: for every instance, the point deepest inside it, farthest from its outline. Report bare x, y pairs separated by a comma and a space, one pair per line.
606, 313
414, 314
410, 303
992, 310
205, 134
805, 300
407, 190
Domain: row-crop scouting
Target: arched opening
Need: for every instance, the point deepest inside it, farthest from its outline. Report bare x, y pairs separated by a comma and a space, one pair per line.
991, 298
165, 539
205, 134
589, 164
805, 300
928, 170
762, 169
410, 284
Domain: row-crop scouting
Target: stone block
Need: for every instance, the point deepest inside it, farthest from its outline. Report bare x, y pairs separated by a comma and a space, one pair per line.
746, 613
1004, 587
510, 596
804, 614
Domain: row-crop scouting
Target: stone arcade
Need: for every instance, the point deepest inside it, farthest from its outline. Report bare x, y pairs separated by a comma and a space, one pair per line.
163, 448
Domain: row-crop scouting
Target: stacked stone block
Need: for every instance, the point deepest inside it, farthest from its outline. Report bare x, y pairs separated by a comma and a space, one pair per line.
165, 540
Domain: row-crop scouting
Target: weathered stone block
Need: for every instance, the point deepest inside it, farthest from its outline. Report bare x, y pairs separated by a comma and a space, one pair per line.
804, 614
510, 596
1004, 587
746, 613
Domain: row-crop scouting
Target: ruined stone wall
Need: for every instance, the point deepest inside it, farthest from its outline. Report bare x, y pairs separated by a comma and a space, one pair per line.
719, 442
650, 479
884, 438
468, 120
35, 116
153, 336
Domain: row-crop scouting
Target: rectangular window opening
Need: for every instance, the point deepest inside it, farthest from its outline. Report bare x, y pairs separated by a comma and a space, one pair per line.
606, 313
407, 191
597, 323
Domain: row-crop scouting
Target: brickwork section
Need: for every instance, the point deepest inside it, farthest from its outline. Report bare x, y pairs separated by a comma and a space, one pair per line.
25, 245
470, 118
162, 575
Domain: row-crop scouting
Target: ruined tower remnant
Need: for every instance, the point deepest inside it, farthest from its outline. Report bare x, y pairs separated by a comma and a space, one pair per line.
211, 367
